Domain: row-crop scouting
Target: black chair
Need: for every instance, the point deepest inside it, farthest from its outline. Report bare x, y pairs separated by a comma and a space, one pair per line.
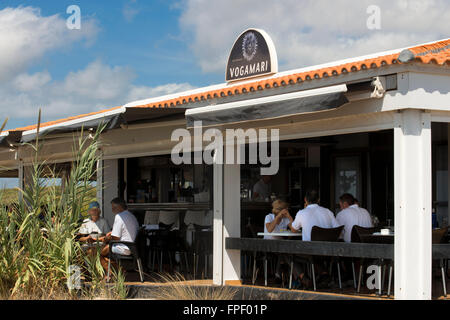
160, 239
366, 235
321, 234
136, 249
330, 235
202, 245
357, 233
439, 236
251, 232
178, 244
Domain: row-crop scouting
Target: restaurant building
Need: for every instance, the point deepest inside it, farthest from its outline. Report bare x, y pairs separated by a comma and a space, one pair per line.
376, 126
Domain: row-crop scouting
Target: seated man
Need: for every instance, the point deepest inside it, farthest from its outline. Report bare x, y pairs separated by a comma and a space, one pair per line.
93, 224
125, 228
312, 215
350, 215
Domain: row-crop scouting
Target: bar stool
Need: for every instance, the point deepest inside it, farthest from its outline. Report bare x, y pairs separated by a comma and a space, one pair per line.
151, 218
202, 246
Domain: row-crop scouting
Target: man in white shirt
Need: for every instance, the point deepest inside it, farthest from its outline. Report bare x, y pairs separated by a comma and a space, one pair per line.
125, 228
350, 215
262, 189
312, 215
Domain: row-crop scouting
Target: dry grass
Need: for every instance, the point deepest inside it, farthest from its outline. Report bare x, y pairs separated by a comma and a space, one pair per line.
175, 287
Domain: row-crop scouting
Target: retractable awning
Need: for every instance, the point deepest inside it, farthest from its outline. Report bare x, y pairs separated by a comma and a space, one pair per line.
269, 107
110, 119
9, 138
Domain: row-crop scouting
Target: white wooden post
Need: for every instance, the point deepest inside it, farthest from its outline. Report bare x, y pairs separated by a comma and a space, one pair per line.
218, 224
412, 183
110, 187
231, 221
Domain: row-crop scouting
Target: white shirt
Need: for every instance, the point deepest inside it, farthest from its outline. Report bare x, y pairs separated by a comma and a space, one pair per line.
263, 190
100, 226
313, 215
351, 216
126, 228
282, 225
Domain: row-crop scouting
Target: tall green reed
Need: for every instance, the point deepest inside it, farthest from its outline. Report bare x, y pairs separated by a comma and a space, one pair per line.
38, 235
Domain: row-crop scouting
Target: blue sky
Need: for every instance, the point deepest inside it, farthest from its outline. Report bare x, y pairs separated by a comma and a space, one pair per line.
129, 50
148, 41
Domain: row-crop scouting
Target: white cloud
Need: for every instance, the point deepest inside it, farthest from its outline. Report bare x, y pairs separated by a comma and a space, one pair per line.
26, 35
142, 92
310, 32
96, 87
129, 11
30, 82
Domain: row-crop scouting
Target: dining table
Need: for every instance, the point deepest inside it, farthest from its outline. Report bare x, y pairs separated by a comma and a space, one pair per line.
379, 234
280, 234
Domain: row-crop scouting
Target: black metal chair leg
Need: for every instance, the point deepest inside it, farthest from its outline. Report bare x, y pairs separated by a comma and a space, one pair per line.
139, 263
359, 278
290, 274
254, 269
109, 270
313, 276
443, 278
194, 265
354, 274
390, 280
186, 263
339, 274
265, 271
380, 283
170, 260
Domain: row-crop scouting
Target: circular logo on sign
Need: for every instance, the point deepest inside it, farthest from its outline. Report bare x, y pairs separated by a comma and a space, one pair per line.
249, 46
